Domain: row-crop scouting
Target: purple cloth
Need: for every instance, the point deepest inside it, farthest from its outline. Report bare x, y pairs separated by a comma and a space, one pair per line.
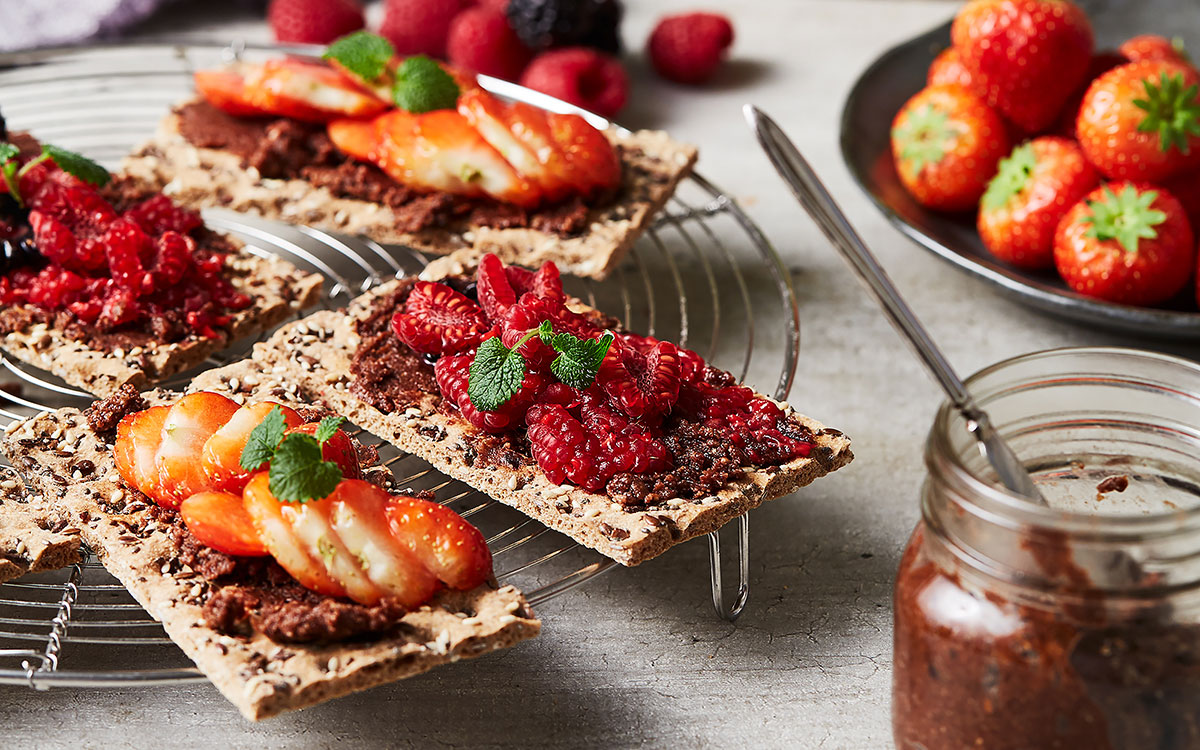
25, 24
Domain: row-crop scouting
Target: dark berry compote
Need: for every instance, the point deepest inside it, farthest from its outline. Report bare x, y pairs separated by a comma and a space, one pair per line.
648, 423
109, 258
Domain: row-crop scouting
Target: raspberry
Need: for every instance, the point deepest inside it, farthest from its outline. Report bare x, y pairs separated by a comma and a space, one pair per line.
641, 376
313, 21
499, 286
451, 373
419, 27
528, 313
481, 40
125, 244
689, 48
438, 320
159, 214
754, 424
583, 77
544, 24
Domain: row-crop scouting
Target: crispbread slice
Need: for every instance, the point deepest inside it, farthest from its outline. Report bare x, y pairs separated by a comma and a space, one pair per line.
262, 678
278, 289
200, 177
315, 353
33, 537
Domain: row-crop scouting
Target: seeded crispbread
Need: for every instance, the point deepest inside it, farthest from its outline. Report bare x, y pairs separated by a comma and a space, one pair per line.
277, 288
315, 353
653, 166
33, 537
260, 677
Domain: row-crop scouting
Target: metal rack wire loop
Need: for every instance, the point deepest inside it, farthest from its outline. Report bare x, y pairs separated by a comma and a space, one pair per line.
688, 280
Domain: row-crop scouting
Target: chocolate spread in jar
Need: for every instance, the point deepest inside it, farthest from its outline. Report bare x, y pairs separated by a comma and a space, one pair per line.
981, 671
281, 148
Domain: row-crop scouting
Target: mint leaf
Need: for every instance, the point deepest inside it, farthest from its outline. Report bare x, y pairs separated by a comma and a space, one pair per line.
263, 440
297, 472
8, 152
364, 54
578, 360
422, 86
77, 165
496, 373
327, 428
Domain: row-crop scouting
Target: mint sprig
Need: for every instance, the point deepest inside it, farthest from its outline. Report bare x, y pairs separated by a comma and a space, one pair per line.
68, 161
497, 372
364, 54
298, 471
422, 85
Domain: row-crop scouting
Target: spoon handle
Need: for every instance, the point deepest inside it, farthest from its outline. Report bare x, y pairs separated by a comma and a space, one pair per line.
815, 199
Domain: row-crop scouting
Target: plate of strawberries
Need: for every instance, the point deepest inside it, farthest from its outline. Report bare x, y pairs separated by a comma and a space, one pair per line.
1050, 150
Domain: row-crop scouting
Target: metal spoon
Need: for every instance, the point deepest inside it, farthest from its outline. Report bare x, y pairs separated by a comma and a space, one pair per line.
807, 188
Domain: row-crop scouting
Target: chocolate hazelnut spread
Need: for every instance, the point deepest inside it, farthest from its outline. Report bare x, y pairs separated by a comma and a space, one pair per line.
288, 149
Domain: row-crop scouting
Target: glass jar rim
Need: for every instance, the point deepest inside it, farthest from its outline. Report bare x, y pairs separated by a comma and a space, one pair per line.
1004, 507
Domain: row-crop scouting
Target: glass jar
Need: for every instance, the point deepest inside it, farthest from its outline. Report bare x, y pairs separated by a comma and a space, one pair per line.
1072, 626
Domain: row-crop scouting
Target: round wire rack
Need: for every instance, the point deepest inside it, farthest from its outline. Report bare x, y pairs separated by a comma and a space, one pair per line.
701, 276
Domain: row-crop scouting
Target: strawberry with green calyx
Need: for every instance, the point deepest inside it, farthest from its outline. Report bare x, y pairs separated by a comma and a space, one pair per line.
946, 143
1025, 57
1127, 243
1141, 121
70, 162
1034, 188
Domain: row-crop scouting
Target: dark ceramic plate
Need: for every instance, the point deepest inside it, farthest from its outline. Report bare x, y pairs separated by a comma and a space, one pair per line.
900, 73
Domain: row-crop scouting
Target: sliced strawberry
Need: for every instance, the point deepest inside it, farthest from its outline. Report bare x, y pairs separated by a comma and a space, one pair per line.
491, 118
220, 520
454, 550
438, 320
138, 437
288, 88
641, 379
312, 523
338, 449
594, 164
188, 426
221, 457
356, 512
273, 521
358, 139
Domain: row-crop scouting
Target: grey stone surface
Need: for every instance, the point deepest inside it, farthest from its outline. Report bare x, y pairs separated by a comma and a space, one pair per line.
636, 658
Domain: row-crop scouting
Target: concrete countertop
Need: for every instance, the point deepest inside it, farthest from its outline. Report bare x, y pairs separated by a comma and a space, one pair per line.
636, 657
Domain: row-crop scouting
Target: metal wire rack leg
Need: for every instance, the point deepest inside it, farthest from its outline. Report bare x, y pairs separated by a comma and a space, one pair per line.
734, 608
58, 629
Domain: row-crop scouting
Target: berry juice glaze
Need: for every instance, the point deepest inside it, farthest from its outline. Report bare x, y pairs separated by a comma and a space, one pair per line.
658, 423
112, 260
1071, 626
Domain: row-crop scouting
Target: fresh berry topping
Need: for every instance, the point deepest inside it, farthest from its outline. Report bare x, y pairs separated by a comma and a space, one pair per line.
219, 520
641, 376
579, 76
439, 320
499, 286
422, 85
947, 67
755, 425
221, 457
188, 425
337, 448
689, 48
138, 438
419, 27
528, 313
452, 372
159, 214
481, 40
441, 541
313, 21
544, 24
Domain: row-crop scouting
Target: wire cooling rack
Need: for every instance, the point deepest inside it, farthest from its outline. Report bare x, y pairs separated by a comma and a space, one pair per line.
689, 280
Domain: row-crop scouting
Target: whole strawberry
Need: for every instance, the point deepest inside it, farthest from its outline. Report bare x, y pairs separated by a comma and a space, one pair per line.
947, 67
689, 48
1127, 243
1154, 47
1025, 57
313, 21
1141, 121
946, 143
1101, 63
1035, 187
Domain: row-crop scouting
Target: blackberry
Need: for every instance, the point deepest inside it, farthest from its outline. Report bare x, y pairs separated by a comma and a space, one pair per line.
15, 253
544, 24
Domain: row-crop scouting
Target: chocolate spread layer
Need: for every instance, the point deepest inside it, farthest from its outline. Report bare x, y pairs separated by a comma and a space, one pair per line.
389, 376
280, 148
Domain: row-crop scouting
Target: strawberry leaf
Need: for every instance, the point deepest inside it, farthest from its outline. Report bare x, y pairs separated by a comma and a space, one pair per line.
364, 54
1011, 177
1172, 111
298, 474
496, 373
423, 86
263, 440
1127, 217
925, 136
328, 427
